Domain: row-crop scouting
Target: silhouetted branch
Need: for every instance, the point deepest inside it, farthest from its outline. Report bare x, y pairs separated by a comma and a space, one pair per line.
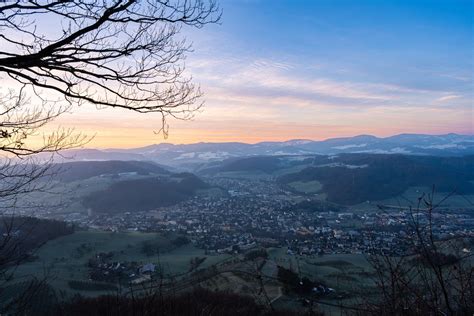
121, 54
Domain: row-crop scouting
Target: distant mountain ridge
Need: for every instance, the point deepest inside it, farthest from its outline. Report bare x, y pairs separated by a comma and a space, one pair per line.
170, 154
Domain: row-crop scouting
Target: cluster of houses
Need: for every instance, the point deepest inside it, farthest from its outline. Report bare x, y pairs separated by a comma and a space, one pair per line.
260, 213
103, 268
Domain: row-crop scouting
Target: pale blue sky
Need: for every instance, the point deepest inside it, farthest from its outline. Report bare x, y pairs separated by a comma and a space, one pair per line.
282, 69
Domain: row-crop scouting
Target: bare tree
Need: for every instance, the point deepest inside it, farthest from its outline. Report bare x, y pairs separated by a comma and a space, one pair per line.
433, 277
56, 55
125, 54
120, 54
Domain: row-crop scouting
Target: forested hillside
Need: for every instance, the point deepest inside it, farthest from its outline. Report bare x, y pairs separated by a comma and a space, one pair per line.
73, 171
352, 179
144, 194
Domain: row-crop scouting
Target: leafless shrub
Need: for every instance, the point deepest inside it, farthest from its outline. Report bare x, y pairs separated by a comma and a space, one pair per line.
434, 277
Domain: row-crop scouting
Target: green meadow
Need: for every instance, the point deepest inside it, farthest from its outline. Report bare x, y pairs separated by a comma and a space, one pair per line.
65, 259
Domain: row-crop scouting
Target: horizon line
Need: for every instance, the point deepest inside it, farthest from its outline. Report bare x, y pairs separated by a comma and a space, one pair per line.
276, 141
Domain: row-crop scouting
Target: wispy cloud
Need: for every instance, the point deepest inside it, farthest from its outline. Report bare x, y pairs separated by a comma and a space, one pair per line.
448, 98
279, 79
283, 81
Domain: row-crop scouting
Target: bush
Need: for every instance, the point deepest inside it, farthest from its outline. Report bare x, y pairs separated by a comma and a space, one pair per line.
91, 286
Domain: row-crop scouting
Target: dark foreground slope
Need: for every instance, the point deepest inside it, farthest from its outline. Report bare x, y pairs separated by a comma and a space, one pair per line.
195, 302
20, 236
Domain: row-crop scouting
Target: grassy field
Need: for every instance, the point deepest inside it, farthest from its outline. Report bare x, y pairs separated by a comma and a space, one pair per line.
340, 271
249, 175
306, 187
410, 198
289, 170
65, 258
349, 274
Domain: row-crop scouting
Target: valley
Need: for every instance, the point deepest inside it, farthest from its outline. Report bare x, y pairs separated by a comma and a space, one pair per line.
319, 216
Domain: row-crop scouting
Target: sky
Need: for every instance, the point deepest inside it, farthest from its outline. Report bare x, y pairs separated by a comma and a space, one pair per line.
293, 69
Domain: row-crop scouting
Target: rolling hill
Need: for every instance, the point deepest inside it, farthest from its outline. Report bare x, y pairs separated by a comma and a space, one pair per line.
354, 178
144, 194
81, 170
